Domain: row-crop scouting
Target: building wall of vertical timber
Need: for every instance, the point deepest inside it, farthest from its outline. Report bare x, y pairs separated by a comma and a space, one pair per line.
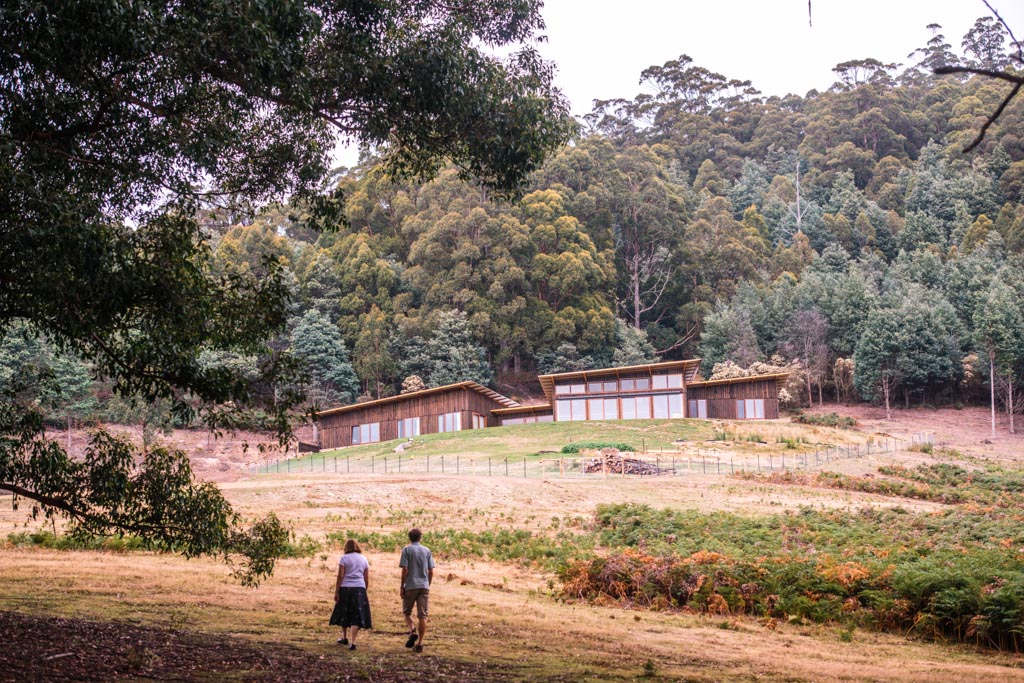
424, 407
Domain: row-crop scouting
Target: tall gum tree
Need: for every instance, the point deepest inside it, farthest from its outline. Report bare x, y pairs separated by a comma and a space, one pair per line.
119, 121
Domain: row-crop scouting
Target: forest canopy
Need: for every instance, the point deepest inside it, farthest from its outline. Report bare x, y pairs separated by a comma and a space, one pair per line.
125, 126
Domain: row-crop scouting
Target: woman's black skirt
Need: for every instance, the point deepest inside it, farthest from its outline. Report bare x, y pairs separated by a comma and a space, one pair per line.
352, 609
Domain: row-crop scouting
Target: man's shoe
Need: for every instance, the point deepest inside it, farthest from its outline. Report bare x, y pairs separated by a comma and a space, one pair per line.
413, 637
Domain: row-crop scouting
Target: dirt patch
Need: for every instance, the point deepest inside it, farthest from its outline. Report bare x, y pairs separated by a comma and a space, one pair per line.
968, 430
53, 648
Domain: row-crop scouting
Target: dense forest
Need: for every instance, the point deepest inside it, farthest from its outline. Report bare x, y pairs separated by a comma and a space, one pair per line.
845, 230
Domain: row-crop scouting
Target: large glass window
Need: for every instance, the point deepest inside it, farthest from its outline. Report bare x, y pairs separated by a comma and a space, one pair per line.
596, 406
408, 427
636, 408
628, 384
579, 409
628, 408
611, 409
479, 421
741, 413
675, 405
643, 407
449, 422
595, 387
367, 433
561, 388
578, 388
661, 406
659, 382
643, 383
564, 407
675, 381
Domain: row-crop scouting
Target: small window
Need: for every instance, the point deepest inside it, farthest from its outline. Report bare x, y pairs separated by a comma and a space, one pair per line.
675, 381
479, 421
659, 382
449, 422
643, 383
740, 412
628, 384
698, 408
579, 388
595, 387
561, 388
611, 386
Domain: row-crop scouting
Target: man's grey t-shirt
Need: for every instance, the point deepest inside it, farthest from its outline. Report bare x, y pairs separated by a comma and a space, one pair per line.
418, 561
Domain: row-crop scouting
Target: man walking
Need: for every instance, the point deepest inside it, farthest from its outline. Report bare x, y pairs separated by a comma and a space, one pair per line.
417, 572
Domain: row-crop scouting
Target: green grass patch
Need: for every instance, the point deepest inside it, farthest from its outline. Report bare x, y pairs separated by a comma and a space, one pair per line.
578, 446
501, 545
829, 420
955, 574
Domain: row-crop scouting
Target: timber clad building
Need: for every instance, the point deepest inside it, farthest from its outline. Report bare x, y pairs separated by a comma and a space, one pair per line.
640, 392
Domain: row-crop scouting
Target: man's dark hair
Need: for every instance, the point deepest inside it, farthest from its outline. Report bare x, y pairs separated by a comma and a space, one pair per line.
415, 535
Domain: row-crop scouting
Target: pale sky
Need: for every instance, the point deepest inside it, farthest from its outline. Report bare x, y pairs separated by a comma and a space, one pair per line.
601, 46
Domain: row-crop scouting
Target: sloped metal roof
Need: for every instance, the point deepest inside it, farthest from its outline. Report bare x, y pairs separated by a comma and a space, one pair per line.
688, 367
472, 386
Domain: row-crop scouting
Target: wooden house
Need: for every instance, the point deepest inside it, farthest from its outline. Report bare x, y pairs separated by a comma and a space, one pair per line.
669, 390
451, 408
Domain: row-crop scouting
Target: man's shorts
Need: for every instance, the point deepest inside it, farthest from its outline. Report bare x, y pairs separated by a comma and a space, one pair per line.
419, 597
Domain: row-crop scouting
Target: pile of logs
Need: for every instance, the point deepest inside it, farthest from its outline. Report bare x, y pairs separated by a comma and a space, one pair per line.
613, 462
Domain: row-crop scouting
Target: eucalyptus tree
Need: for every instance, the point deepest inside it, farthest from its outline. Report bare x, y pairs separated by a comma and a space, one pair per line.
119, 121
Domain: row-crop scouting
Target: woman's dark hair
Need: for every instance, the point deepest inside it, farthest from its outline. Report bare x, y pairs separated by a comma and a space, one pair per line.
352, 546
415, 535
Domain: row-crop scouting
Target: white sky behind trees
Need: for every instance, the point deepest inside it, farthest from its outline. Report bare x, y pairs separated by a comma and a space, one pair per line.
601, 46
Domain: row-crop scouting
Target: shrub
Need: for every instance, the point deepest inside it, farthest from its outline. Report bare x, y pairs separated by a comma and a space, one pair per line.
578, 446
829, 420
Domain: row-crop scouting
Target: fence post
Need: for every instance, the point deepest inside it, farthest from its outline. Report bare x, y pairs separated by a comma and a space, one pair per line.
348, 464
442, 464
428, 464
718, 465
758, 462
385, 464
524, 467
704, 464
488, 465
732, 465
783, 461
506, 466
561, 468
289, 466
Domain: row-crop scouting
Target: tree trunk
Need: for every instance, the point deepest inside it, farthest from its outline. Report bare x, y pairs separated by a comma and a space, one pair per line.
821, 401
1009, 402
885, 391
992, 387
810, 394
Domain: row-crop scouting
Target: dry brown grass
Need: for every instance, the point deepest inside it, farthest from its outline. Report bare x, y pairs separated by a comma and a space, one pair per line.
486, 614
499, 617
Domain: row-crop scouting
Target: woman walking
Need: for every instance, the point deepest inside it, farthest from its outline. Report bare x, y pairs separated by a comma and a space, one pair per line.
351, 605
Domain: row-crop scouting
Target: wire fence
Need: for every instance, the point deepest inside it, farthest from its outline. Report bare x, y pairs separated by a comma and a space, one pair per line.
703, 460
